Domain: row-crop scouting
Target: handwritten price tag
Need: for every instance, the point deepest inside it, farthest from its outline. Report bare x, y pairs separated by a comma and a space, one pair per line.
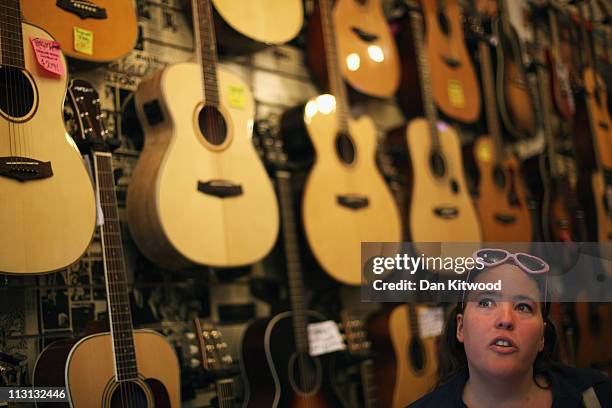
431, 321
324, 337
48, 54
83, 40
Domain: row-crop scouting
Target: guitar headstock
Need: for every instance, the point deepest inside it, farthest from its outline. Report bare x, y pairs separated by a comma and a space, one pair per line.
356, 337
89, 129
213, 349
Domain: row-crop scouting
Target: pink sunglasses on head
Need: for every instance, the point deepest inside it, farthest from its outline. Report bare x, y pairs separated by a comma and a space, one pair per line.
528, 263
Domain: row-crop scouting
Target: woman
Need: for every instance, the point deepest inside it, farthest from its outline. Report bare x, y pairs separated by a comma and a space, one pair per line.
497, 347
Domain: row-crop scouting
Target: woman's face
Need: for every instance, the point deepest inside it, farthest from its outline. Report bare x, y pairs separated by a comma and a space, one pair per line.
502, 332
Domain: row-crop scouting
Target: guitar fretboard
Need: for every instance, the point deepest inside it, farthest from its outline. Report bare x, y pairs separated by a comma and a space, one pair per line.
294, 268
114, 268
336, 83
11, 41
207, 49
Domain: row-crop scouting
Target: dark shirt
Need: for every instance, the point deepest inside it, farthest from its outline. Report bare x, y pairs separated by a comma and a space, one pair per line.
567, 385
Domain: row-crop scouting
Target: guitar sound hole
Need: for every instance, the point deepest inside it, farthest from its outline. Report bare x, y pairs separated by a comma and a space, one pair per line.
305, 373
499, 177
16, 93
443, 22
129, 394
436, 162
212, 125
345, 148
416, 355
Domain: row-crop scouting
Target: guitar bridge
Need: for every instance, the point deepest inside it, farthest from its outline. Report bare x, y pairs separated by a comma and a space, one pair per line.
505, 219
353, 201
82, 8
24, 169
447, 213
367, 37
450, 61
220, 188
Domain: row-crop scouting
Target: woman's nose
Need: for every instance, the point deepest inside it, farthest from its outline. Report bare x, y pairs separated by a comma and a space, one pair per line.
505, 318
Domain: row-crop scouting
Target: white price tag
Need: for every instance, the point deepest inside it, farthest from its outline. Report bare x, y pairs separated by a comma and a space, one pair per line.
431, 321
324, 337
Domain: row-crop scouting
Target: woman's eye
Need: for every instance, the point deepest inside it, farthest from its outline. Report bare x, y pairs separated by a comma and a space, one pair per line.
524, 307
485, 302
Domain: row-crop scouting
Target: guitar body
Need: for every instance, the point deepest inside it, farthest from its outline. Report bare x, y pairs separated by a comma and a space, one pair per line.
601, 125
502, 201
594, 333
175, 214
514, 100
437, 214
334, 230
89, 372
47, 222
559, 209
454, 83
113, 36
358, 26
270, 367
604, 213
245, 25
561, 91
405, 365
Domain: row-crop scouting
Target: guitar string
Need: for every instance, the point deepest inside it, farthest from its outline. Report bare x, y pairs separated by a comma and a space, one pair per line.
9, 101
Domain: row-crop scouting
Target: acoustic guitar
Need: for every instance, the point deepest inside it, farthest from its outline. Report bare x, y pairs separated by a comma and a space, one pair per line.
115, 368
366, 50
47, 210
514, 100
199, 193
502, 199
560, 86
454, 84
99, 31
345, 201
276, 364
441, 209
248, 25
405, 367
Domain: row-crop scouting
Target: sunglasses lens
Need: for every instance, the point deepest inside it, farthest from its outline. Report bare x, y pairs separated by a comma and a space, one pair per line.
491, 256
533, 264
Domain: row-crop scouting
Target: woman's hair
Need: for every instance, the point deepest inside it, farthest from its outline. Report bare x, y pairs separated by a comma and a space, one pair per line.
451, 354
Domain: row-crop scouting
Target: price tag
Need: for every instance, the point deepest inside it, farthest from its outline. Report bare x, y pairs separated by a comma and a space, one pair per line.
236, 96
431, 321
48, 55
483, 152
324, 337
83, 40
455, 93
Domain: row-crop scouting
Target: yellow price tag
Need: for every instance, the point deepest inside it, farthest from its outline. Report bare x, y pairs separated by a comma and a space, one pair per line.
236, 96
455, 93
83, 40
483, 152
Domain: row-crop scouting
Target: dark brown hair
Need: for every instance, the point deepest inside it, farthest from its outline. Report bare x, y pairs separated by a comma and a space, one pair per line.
451, 354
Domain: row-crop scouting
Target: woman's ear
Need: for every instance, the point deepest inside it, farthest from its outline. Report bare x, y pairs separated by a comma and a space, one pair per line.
459, 333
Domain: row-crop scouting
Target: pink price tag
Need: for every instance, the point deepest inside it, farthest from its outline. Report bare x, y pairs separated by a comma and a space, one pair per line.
48, 55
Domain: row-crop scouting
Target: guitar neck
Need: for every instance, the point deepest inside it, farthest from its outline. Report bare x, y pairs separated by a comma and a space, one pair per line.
207, 49
416, 22
366, 369
11, 41
114, 271
294, 269
490, 100
336, 83
225, 393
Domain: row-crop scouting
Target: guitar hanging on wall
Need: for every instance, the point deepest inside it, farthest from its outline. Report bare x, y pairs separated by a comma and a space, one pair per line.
47, 210
99, 31
199, 193
346, 201
115, 368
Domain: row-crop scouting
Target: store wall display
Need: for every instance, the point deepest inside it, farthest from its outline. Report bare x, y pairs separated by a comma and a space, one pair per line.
199, 193
48, 202
330, 164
